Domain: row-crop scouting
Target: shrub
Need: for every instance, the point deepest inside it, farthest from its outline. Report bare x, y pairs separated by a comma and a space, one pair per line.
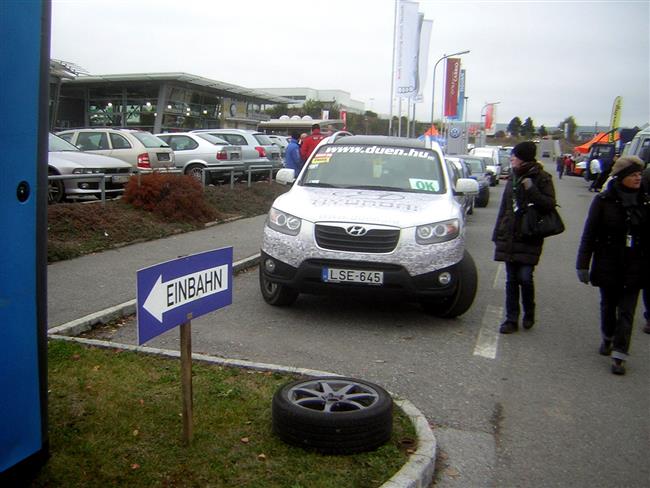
170, 196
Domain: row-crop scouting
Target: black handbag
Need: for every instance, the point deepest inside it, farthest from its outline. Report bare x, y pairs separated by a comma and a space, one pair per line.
541, 224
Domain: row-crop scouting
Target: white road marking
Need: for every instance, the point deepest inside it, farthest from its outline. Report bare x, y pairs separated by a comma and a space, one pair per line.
488, 337
500, 278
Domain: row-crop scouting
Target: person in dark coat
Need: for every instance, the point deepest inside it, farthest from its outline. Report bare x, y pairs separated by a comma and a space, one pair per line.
528, 184
616, 242
645, 184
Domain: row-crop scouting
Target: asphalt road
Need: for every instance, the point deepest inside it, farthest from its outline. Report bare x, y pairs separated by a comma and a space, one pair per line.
534, 409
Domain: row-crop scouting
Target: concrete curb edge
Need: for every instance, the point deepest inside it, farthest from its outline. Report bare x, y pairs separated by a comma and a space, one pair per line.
416, 473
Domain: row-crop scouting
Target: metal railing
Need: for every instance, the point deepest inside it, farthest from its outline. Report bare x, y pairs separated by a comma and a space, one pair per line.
205, 172
259, 168
101, 177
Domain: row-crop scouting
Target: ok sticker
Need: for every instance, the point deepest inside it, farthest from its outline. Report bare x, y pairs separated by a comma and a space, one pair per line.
424, 185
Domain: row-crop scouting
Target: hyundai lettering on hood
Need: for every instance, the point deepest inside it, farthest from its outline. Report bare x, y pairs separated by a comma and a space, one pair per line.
400, 209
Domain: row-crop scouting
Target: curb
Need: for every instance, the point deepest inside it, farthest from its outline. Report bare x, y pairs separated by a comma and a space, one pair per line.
416, 473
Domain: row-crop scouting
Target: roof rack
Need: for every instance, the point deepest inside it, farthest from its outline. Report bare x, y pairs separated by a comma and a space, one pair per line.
339, 134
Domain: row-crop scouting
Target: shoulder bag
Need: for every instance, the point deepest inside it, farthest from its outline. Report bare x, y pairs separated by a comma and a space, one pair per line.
541, 224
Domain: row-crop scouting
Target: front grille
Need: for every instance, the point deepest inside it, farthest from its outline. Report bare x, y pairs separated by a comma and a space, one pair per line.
374, 241
112, 171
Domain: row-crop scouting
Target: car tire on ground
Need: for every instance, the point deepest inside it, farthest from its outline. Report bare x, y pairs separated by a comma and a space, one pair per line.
55, 188
333, 415
484, 199
462, 299
276, 293
195, 171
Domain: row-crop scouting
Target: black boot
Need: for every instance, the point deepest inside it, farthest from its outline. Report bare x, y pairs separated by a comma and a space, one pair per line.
618, 367
528, 322
508, 327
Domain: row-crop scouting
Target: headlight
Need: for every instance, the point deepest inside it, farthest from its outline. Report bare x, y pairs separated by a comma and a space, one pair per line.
283, 222
86, 171
437, 232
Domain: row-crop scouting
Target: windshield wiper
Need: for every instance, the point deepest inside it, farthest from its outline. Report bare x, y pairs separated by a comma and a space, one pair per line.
322, 185
376, 187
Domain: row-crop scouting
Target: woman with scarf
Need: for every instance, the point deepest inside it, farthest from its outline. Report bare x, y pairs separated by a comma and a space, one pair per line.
528, 185
616, 242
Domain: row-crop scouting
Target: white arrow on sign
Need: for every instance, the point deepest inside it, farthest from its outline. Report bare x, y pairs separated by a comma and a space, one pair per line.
166, 296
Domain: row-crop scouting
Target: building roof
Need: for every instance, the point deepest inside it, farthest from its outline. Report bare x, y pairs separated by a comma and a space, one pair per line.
226, 88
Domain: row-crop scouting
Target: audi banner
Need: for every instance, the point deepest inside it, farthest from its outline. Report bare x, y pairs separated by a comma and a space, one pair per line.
406, 49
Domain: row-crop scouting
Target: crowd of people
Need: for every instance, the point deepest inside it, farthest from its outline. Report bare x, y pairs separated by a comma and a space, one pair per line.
614, 250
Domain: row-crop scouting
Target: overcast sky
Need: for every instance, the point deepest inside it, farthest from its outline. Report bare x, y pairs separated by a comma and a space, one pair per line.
541, 59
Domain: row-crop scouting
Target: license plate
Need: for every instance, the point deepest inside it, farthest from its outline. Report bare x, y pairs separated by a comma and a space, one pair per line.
120, 179
337, 275
163, 156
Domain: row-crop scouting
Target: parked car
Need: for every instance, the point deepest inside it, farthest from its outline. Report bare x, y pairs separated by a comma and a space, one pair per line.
494, 165
479, 172
256, 147
195, 152
371, 214
504, 159
140, 149
281, 141
459, 169
65, 159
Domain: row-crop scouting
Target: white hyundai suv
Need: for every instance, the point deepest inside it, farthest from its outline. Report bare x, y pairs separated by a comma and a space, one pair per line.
370, 214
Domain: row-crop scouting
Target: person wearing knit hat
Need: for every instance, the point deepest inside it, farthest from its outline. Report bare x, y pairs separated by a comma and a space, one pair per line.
614, 255
525, 151
626, 165
528, 184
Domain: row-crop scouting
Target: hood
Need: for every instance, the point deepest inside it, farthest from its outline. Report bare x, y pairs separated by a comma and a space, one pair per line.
75, 159
399, 209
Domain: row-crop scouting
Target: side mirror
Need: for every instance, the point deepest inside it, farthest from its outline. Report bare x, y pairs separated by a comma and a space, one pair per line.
286, 176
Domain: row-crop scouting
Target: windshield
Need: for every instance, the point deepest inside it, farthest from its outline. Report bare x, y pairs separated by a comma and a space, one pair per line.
58, 144
263, 139
474, 164
217, 141
376, 168
149, 140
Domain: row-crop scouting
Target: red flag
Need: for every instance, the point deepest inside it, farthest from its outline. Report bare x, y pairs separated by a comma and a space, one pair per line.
451, 87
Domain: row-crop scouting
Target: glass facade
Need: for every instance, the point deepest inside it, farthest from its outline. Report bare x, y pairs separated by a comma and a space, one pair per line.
136, 104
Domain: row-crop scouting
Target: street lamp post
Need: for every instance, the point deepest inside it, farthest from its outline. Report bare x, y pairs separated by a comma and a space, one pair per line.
433, 88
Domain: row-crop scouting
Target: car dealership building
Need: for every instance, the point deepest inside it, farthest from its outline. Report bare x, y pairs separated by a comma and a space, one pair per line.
155, 102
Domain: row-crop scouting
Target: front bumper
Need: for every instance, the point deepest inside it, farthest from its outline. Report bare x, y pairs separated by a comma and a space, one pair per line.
307, 278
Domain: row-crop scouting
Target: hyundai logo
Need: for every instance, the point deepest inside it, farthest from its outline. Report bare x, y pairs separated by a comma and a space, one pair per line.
356, 230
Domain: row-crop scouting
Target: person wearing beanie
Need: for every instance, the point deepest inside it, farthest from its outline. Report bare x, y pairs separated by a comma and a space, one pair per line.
614, 255
528, 184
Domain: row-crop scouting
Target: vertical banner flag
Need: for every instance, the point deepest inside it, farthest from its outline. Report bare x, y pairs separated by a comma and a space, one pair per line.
406, 49
423, 54
616, 117
344, 117
460, 110
451, 87
490, 119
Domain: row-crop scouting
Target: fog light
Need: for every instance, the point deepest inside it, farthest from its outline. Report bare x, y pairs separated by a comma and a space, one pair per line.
444, 278
84, 186
269, 265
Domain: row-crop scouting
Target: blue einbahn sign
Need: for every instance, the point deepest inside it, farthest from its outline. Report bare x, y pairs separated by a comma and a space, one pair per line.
172, 293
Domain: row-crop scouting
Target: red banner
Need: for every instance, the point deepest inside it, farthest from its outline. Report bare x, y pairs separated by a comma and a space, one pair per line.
344, 117
451, 87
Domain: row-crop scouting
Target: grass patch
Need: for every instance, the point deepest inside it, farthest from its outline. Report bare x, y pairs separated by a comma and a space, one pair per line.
114, 419
76, 229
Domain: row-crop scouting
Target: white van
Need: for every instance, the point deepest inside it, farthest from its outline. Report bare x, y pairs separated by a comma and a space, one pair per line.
494, 167
639, 145
548, 151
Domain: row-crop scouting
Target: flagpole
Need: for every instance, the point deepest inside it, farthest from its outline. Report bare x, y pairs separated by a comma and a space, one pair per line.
392, 73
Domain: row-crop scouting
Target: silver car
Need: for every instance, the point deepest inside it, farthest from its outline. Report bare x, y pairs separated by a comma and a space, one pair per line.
257, 148
140, 149
195, 152
66, 159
